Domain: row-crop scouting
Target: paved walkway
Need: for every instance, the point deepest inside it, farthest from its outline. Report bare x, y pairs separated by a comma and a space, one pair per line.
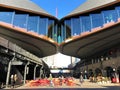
85, 84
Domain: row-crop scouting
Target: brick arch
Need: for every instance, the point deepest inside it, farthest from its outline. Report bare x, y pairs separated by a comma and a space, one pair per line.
118, 69
109, 71
90, 72
98, 71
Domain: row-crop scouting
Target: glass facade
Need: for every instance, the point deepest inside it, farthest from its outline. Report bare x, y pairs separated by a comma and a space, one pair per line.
33, 23
118, 11
110, 15
94, 20
62, 33
50, 28
20, 20
59, 31
85, 23
6, 16
75, 26
67, 28
43, 26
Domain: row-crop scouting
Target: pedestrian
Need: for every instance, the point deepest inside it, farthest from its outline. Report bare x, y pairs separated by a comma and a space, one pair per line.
81, 79
60, 80
51, 82
15, 79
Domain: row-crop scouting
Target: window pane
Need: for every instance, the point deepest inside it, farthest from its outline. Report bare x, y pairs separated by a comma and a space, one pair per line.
68, 28
85, 23
97, 20
20, 20
118, 10
33, 23
62, 33
50, 28
6, 17
110, 15
75, 26
68, 23
55, 32
43, 26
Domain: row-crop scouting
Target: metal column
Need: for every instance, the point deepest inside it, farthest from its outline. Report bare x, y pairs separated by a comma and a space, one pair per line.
25, 72
35, 72
41, 72
8, 72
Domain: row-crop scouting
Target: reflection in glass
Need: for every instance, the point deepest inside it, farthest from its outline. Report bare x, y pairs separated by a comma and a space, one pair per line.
43, 26
75, 22
33, 23
110, 15
118, 10
67, 28
50, 28
6, 16
20, 20
97, 20
85, 23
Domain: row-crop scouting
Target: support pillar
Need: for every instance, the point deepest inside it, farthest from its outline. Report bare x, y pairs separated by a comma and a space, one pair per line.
35, 72
41, 72
8, 71
25, 72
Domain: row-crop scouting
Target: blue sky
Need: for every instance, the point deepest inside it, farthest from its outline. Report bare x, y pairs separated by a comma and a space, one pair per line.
64, 7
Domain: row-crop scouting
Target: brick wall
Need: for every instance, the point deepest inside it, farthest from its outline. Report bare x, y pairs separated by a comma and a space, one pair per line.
112, 62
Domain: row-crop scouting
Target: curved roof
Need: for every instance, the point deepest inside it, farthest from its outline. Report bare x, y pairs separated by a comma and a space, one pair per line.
90, 43
38, 45
23, 4
89, 5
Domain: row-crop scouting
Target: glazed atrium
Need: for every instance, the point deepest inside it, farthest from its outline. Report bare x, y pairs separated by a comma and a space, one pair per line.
63, 29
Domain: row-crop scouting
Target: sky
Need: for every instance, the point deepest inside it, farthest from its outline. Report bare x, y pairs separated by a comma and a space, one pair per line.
64, 7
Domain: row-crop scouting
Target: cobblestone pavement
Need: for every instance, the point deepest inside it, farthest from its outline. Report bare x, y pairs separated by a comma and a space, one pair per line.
86, 85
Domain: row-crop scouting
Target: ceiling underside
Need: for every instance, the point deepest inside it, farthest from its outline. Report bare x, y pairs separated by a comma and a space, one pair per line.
35, 45
80, 47
93, 43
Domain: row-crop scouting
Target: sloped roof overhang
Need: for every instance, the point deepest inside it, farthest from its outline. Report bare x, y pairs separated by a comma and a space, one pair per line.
25, 6
39, 45
90, 43
90, 6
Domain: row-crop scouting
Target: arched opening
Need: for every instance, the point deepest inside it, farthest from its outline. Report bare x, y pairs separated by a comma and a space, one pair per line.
98, 72
90, 73
118, 71
109, 71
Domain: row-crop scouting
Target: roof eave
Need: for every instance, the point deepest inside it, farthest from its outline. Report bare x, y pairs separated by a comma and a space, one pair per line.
27, 10
90, 10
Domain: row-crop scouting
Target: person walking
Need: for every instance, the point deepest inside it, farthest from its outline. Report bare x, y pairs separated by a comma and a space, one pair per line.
15, 79
51, 82
60, 80
81, 79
